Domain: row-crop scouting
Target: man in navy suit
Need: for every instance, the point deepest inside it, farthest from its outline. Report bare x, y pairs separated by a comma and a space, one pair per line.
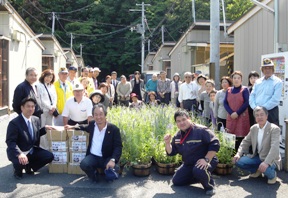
22, 139
105, 145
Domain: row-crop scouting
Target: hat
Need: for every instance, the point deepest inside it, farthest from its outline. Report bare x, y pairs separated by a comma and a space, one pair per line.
134, 95
267, 63
63, 70
99, 93
96, 69
176, 74
201, 76
198, 72
72, 68
111, 174
78, 87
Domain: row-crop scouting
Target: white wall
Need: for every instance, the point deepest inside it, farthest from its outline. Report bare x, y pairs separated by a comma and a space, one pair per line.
18, 63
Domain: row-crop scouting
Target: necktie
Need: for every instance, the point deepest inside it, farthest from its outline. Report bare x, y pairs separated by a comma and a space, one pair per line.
64, 87
31, 133
114, 83
30, 129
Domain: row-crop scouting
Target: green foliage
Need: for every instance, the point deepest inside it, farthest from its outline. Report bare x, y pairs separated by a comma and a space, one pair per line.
225, 152
142, 133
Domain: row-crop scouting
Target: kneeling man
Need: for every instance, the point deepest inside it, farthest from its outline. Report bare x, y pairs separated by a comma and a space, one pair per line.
264, 138
105, 145
198, 146
22, 139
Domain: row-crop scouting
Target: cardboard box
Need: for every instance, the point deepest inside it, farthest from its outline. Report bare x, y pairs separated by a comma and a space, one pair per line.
77, 157
58, 146
60, 157
53, 135
75, 169
79, 136
77, 146
58, 168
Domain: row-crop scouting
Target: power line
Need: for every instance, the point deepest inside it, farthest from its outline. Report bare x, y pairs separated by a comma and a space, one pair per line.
100, 23
39, 8
77, 9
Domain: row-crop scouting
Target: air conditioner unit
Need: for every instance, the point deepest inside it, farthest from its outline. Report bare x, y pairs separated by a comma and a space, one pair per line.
16, 36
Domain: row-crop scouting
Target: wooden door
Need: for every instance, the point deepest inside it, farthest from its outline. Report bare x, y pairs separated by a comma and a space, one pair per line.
4, 72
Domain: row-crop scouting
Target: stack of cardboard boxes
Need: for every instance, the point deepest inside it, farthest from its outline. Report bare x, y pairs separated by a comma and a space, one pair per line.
58, 145
69, 149
78, 143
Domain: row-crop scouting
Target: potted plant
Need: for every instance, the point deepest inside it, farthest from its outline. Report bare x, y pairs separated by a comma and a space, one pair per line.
224, 154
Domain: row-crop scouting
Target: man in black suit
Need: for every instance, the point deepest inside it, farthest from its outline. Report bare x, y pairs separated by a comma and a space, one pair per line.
22, 139
105, 145
27, 89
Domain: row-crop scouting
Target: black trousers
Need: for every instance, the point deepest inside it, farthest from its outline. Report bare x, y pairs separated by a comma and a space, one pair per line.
37, 160
273, 115
190, 105
190, 174
91, 162
166, 99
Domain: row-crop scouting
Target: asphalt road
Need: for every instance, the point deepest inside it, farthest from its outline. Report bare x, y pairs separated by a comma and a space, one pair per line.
44, 184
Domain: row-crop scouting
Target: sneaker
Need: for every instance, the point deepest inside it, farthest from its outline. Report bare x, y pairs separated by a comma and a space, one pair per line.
272, 181
210, 192
17, 174
28, 170
256, 174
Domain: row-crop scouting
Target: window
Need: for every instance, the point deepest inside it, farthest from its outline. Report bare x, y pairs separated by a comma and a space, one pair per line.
4, 72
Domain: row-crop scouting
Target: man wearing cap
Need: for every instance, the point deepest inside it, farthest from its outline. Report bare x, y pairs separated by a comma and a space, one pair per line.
95, 74
64, 91
25, 89
23, 138
77, 108
123, 90
267, 92
188, 93
72, 75
163, 88
115, 82
105, 145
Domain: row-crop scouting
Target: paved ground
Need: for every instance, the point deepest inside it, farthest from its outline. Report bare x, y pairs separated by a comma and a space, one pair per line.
44, 184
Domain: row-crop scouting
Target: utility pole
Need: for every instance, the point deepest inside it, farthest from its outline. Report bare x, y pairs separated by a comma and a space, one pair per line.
193, 11
81, 46
71, 40
215, 39
149, 42
162, 30
142, 31
53, 22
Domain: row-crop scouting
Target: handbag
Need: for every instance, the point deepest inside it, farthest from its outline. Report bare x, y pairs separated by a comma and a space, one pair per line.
55, 113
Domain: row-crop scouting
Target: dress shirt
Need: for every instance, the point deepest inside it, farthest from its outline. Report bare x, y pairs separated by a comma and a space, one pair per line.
163, 86
97, 141
74, 81
260, 136
266, 93
188, 91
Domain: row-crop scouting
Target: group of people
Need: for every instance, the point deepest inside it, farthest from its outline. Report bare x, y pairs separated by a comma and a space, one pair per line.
73, 103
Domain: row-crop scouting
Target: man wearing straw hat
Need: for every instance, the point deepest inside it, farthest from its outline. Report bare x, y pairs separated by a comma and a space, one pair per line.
267, 92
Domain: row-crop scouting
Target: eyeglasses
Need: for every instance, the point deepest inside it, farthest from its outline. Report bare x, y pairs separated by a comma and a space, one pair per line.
136, 74
187, 76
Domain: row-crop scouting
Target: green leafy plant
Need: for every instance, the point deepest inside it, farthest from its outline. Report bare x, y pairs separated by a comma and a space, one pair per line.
226, 151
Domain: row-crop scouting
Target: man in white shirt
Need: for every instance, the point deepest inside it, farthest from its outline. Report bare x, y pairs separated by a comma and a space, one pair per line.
188, 93
72, 75
264, 138
105, 145
77, 108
